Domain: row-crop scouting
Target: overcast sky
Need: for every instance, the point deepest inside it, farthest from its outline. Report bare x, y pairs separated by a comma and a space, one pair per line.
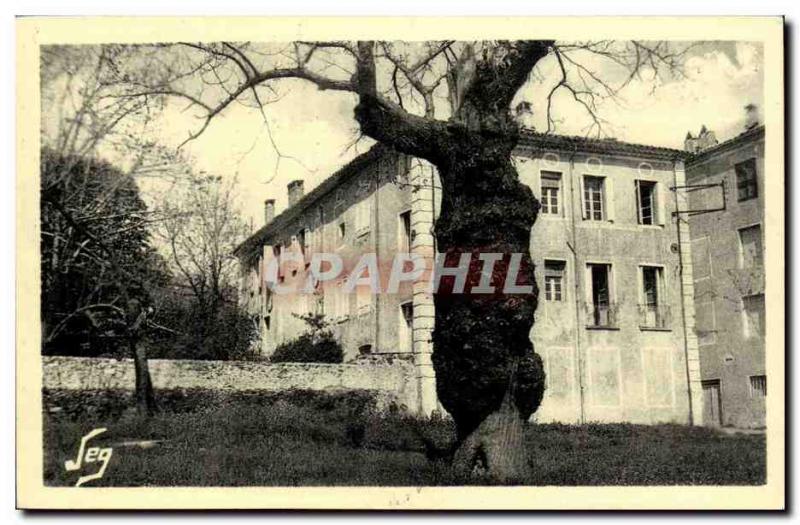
316, 127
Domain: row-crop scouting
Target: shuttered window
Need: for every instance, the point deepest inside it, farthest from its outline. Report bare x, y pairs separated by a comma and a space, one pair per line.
551, 193
746, 182
646, 202
593, 198
758, 386
750, 250
753, 306
554, 280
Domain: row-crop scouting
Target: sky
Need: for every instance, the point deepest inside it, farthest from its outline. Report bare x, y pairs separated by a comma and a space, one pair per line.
314, 130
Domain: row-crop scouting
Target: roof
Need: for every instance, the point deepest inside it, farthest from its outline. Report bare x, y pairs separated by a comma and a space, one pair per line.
741, 138
289, 214
529, 138
609, 146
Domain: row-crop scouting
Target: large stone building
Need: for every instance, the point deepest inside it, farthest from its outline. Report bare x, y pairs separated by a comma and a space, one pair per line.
615, 325
726, 198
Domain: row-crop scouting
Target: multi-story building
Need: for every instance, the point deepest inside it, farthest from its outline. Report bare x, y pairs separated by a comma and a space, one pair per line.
615, 324
726, 202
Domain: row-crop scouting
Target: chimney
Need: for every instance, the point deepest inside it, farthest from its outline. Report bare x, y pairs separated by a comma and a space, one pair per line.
751, 119
269, 210
295, 189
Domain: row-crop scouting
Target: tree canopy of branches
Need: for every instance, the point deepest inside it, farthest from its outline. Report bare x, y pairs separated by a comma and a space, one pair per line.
199, 230
488, 376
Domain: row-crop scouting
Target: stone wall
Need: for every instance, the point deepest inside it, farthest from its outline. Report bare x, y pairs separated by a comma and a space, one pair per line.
391, 381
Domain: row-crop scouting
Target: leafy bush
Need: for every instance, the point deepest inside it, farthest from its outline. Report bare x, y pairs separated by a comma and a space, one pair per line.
317, 345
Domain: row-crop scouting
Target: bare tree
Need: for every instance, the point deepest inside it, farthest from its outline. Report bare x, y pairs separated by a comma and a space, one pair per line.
200, 229
488, 376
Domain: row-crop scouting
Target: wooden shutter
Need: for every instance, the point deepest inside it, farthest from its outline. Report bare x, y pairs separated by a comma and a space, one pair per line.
637, 189
608, 198
661, 204
583, 198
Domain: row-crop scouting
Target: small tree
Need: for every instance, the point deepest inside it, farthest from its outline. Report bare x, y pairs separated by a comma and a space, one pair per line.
199, 230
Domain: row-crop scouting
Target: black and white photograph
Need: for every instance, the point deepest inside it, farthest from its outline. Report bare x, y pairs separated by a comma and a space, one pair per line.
331, 260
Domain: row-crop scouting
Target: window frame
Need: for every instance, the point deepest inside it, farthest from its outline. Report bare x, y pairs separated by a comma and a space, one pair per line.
588, 207
562, 277
401, 233
746, 329
362, 217
760, 261
613, 324
654, 204
661, 306
750, 185
756, 392
545, 193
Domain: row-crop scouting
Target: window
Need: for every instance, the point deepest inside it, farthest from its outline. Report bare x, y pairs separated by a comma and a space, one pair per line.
593, 198
653, 313
404, 244
601, 311
551, 186
302, 240
758, 386
363, 216
319, 307
363, 300
646, 201
650, 281
750, 250
405, 333
342, 231
554, 280
746, 182
753, 310
341, 302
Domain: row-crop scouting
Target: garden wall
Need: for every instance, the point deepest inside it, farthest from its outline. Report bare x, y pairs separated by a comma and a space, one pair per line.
390, 382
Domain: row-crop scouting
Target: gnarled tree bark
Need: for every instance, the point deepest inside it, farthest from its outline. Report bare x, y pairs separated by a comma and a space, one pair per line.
488, 376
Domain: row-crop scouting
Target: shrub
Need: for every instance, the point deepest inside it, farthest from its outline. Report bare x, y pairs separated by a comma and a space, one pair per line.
308, 349
317, 345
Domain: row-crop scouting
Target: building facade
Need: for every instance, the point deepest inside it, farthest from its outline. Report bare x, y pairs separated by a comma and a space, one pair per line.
615, 323
726, 195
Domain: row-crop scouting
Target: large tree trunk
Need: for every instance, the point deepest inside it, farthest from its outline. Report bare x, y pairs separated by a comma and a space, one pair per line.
488, 376
495, 451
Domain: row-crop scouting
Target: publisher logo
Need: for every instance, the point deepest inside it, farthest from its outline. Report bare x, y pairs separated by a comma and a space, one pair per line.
87, 457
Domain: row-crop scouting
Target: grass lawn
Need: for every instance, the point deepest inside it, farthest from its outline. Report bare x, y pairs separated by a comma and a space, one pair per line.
285, 444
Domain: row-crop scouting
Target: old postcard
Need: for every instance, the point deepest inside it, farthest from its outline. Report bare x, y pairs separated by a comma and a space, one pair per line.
400, 263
